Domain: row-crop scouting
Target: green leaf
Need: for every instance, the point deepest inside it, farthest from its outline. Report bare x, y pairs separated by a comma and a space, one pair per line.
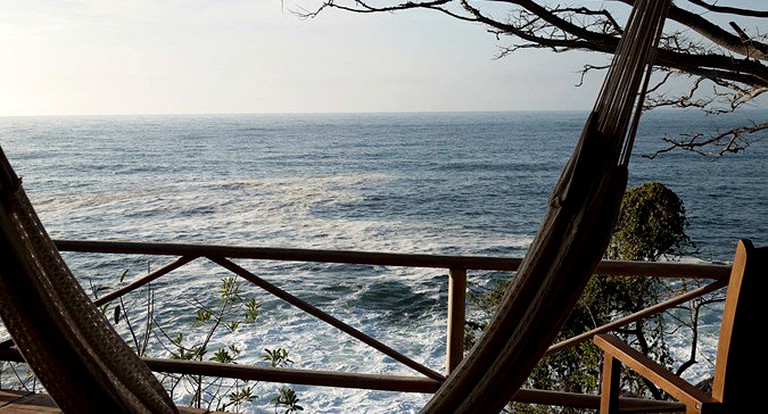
232, 326
287, 399
252, 310
277, 357
203, 315
222, 356
234, 349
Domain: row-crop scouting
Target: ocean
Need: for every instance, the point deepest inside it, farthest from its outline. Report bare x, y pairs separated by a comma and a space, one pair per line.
441, 183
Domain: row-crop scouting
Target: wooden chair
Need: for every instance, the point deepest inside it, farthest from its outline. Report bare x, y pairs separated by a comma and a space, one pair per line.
737, 385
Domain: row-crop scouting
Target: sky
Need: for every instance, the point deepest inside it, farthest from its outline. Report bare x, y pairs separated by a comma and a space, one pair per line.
96, 57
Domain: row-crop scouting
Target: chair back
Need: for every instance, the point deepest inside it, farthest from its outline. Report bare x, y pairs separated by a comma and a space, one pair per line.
739, 356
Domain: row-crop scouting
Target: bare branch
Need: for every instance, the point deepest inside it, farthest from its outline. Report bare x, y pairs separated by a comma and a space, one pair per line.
658, 84
729, 10
586, 69
724, 67
363, 7
731, 141
685, 100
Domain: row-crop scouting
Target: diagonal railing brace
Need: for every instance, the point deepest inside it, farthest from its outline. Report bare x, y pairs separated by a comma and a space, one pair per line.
325, 317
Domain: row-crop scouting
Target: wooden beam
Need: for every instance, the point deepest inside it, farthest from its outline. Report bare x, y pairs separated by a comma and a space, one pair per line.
144, 280
300, 255
679, 389
327, 318
296, 376
610, 385
382, 382
457, 290
614, 268
645, 313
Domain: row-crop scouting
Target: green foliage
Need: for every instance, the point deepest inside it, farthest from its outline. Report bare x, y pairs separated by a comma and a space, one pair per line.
277, 357
226, 355
251, 310
232, 311
651, 224
239, 397
287, 401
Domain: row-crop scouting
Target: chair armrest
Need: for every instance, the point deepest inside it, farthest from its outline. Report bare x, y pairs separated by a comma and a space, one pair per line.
675, 386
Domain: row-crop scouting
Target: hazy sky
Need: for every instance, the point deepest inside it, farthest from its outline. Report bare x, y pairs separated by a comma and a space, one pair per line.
254, 56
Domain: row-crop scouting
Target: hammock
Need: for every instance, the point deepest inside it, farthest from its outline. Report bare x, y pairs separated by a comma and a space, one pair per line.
572, 238
81, 361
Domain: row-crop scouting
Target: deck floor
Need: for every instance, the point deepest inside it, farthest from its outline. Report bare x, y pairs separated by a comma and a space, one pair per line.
19, 402
23, 402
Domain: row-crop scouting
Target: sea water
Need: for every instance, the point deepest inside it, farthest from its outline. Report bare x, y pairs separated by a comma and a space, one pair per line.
437, 183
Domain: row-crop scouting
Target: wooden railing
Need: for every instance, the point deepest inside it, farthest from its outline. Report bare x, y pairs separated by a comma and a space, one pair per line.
430, 380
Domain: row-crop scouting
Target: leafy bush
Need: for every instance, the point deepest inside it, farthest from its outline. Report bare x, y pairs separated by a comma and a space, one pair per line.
651, 224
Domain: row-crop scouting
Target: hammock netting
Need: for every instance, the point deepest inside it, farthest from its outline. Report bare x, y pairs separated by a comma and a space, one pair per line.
87, 368
572, 238
68, 343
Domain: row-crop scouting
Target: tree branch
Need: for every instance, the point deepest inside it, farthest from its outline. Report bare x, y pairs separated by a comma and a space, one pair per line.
714, 33
729, 59
729, 10
731, 141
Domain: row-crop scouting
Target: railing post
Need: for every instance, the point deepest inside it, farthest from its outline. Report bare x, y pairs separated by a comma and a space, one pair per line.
609, 397
457, 289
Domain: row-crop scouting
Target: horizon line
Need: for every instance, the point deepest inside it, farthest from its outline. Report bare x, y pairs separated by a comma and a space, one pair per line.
298, 113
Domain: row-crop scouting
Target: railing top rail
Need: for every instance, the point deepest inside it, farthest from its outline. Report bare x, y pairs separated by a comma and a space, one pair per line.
663, 269
291, 254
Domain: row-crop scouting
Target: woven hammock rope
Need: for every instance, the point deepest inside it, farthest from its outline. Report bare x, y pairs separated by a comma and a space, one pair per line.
81, 361
572, 238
